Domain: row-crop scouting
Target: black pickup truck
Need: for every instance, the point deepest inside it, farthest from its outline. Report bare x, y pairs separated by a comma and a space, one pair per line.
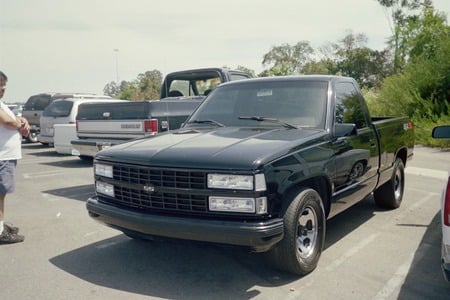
262, 163
101, 126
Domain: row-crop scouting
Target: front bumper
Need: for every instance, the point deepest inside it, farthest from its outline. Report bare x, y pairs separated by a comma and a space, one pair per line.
90, 147
45, 139
260, 236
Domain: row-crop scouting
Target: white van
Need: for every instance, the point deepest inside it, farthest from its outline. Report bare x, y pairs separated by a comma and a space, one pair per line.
62, 111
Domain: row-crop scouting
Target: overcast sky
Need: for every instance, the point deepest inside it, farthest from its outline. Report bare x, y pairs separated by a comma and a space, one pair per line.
81, 45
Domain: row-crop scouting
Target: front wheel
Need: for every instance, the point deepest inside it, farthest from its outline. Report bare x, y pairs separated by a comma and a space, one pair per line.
304, 234
390, 194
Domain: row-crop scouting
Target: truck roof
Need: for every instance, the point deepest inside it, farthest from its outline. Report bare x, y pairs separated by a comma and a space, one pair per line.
292, 77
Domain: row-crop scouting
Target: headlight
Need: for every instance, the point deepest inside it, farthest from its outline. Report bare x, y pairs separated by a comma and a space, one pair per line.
235, 182
103, 170
235, 204
104, 188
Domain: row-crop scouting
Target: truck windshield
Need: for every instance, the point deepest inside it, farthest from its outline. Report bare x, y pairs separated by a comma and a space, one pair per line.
291, 102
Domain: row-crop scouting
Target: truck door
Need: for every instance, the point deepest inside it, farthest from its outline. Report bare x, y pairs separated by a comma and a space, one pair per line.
356, 155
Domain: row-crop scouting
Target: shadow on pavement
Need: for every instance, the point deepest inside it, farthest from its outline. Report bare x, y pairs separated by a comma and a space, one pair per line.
175, 269
424, 279
171, 269
70, 162
81, 192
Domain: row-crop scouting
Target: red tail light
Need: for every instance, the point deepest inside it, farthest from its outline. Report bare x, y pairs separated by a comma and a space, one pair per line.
151, 126
446, 207
76, 125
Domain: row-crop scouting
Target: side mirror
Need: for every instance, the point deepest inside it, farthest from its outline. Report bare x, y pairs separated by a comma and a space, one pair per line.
441, 132
345, 129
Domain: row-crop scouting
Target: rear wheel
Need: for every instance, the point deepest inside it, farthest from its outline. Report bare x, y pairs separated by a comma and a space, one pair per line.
390, 194
304, 234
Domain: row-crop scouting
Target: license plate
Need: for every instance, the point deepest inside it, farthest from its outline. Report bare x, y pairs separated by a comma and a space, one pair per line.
49, 131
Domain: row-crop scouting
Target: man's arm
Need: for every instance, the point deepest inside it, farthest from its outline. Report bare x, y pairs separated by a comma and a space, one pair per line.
18, 123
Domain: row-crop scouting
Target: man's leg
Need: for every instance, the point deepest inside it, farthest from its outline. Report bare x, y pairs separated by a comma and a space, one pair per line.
8, 234
2, 209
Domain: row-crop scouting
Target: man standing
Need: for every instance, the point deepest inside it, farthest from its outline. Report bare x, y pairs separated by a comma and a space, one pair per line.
12, 129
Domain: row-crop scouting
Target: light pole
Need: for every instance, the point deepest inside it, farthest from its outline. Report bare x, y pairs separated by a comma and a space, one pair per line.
116, 51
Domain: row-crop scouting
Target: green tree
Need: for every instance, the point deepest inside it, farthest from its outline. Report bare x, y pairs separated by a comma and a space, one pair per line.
251, 72
111, 89
286, 59
146, 86
421, 89
403, 14
354, 59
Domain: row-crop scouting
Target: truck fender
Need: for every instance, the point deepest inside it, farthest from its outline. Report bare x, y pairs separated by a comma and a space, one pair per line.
321, 184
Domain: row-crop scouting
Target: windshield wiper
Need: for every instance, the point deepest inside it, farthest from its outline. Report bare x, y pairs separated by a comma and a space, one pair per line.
206, 122
273, 120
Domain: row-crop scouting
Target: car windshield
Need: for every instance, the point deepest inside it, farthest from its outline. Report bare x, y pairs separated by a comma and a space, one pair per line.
290, 103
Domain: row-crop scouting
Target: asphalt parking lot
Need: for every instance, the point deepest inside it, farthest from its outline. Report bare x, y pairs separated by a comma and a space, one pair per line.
369, 253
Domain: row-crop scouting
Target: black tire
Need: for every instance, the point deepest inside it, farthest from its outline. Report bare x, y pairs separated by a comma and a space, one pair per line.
137, 235
86, 158
304, 234
390, 194
32, 137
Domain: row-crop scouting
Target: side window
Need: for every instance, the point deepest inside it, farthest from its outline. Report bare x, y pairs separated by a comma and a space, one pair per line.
205, 86
180, 86
348, 105
234, 77
37, 102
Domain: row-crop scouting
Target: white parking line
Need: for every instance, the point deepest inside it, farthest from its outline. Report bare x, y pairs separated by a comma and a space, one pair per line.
336, 263
437, 174
395, 281
43, 174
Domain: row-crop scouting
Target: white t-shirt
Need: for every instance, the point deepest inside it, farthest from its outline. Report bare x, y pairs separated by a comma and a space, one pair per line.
10, 139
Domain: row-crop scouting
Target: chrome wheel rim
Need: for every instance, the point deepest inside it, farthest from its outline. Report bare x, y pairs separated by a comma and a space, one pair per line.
307, 232
398, 184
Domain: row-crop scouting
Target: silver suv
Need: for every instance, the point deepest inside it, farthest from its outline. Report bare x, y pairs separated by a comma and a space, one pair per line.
35, 105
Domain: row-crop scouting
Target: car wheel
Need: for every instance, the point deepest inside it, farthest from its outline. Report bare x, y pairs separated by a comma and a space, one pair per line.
32, 137
304, 234
86, 158
138, 236
357, 171
390, 194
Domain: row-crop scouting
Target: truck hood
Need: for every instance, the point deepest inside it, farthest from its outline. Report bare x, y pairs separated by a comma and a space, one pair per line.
220, 148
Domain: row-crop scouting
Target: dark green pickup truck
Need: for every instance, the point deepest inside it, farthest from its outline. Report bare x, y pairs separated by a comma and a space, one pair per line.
261, 163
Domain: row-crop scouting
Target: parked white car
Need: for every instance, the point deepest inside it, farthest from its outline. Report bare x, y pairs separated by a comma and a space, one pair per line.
444, 132
62, 111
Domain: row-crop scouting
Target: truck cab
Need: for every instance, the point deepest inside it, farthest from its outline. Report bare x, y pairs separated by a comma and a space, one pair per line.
198, 82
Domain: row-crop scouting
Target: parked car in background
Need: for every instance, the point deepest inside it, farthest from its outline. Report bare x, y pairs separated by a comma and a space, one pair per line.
16, 109
102, 125
441, 132
35, 105
63, 111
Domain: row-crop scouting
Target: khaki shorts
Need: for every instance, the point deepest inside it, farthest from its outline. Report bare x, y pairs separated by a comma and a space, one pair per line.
7, 176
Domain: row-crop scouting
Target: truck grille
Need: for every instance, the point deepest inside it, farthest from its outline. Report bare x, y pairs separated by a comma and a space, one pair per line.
160, 177
160, 201
178, 189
